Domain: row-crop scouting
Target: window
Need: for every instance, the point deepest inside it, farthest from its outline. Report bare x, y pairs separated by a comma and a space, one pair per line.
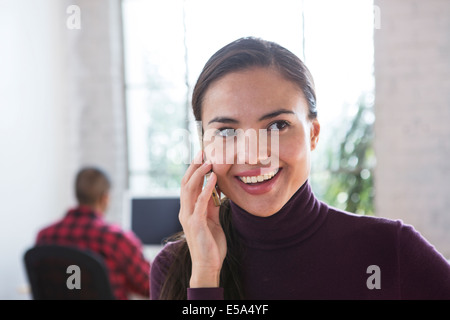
168, 42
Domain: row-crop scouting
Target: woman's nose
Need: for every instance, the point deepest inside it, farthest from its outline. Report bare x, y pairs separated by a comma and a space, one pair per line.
254, 147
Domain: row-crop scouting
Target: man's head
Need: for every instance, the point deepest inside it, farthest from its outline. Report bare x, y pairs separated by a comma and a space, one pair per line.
92, 187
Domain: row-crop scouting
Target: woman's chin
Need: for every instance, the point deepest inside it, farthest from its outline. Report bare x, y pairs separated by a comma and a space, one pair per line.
260, 208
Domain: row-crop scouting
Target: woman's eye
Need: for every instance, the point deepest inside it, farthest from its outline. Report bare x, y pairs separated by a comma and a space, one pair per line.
278, 125
226, 132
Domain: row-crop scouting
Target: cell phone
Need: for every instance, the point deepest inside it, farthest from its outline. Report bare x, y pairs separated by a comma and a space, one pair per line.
215, 193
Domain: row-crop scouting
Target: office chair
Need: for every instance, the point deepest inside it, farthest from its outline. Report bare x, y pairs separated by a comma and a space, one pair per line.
49, 268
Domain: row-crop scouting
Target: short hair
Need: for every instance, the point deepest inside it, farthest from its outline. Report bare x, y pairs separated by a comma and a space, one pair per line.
91, 184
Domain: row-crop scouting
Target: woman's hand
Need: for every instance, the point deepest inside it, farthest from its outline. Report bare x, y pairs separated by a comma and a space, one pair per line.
199, 218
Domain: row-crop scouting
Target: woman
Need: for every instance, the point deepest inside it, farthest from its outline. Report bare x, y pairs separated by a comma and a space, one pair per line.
271, 238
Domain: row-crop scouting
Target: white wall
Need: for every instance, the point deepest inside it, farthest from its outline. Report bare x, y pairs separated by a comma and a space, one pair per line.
412, 108
34, 160
95, 95
61, 107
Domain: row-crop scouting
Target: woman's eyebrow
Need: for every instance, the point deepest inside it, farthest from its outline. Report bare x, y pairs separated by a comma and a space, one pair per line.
276, 113
223, 120
264, 117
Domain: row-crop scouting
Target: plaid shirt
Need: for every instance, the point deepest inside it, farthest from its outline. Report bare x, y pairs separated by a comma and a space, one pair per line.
122, 251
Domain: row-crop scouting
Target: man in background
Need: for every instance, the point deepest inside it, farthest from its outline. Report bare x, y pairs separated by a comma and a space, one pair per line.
84, 226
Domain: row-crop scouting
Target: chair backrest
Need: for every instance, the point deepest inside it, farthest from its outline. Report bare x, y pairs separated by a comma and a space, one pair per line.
66, 273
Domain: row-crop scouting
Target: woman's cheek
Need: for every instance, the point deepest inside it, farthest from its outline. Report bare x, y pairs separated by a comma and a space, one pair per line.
221, 172
217, 150
293, 149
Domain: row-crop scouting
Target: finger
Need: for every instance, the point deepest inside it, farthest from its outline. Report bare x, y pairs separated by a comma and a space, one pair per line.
190, 191
195, 164
194, 186
205, 196
198, 177
192, 182
200, 205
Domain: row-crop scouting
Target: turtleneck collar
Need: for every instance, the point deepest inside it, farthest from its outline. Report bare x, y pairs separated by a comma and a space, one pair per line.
298, 219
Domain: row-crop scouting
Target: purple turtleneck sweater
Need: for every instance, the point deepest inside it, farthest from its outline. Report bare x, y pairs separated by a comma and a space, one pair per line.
309, 250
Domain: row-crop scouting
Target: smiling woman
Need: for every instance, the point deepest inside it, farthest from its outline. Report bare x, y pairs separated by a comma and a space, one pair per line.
162, 68
248, 106
273, 239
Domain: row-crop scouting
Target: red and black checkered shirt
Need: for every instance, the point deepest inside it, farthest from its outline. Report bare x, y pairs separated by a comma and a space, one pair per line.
82, 227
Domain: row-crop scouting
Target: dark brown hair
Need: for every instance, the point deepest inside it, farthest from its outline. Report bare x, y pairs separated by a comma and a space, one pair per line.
250, 52
239, 55
91, 184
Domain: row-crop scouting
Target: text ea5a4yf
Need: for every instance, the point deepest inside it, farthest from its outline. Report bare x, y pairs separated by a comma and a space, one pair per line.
231, 309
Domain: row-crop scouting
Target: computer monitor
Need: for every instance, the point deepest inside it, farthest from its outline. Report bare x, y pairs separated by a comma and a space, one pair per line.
154, 218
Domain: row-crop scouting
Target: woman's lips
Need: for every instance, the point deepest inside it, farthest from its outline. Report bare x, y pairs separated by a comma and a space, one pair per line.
259, 187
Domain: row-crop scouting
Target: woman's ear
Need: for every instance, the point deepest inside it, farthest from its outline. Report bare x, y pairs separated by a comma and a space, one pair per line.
314, 134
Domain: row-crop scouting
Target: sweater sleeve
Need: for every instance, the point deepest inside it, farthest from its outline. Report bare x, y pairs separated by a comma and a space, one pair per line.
159, 270
424, 272
205, 294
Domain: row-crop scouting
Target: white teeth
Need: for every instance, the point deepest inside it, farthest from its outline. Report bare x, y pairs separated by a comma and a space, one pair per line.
260, 178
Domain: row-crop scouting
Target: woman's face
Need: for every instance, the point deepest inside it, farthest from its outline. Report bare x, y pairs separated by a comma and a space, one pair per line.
240, 110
